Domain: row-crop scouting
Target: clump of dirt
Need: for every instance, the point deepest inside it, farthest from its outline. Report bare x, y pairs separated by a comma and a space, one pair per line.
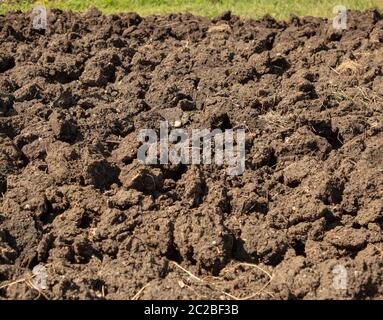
304, 221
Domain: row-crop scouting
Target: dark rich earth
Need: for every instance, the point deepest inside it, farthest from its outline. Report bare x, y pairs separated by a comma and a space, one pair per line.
74, 198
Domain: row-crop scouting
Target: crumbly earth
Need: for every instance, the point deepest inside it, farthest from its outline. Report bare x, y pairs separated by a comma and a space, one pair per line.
305, 219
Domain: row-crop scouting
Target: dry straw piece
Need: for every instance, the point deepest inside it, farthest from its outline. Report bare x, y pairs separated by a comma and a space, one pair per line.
28, 281
205, 280
350, 66
229, 270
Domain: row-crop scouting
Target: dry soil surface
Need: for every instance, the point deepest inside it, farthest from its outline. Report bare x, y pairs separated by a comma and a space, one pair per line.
74, 198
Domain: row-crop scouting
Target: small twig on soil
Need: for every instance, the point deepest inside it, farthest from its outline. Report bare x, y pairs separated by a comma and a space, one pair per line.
188, 272
252, 266
14, 282
137, 295
334, 70
29, 283
103, 291
226, 271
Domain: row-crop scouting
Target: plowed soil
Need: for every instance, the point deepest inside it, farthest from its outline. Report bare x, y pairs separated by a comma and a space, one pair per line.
74, 198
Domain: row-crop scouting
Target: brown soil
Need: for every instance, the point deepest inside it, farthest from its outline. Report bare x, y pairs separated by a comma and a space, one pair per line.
74, 198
